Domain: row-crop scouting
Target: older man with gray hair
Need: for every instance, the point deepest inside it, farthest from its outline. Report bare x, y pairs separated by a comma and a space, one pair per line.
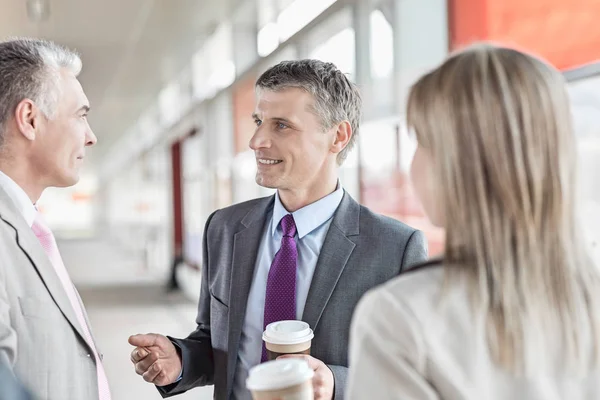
45, 336
309, 252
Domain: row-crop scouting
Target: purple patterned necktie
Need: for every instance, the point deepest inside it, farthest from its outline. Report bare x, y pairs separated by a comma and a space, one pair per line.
280, 301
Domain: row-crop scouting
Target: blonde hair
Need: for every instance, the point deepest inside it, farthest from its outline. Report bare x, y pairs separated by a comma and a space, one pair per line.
497, 123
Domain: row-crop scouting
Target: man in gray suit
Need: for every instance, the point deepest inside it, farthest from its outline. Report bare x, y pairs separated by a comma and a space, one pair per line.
45, 338
309, 252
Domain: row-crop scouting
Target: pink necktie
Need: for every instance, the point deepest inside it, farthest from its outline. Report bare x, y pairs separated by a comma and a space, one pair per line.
46, 238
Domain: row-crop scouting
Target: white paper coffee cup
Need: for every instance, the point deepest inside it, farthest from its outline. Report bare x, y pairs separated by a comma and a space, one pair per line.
287, 337
287, 379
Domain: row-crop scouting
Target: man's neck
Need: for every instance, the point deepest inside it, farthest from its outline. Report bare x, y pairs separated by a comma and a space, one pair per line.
21, 176
297, 198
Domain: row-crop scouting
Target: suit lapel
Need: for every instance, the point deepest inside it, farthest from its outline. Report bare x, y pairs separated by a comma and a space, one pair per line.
89, 325
334, 255
246, 243
30, 245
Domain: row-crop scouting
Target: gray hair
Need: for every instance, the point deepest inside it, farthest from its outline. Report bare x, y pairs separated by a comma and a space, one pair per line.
336, 98
30, 69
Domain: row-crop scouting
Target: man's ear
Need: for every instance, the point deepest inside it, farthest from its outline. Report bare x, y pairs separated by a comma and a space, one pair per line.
27, 116
343, 135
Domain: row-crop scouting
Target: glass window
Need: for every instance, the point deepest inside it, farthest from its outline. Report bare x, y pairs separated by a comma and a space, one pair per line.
298, 14
267, 11
382, 46
338, 49
386, 154
585, 98
213, 66
268, 39
281, 19
168, 101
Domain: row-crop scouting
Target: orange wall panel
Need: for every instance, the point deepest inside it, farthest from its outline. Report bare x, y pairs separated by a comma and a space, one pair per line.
566, 33
468, 21
243, 107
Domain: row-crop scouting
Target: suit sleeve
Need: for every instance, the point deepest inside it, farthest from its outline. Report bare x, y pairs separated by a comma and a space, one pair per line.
340, 375
196, 349
8, 336
415, 251
387, 353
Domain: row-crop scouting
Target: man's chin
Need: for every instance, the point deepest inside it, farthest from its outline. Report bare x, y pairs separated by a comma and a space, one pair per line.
266, 183
67, 181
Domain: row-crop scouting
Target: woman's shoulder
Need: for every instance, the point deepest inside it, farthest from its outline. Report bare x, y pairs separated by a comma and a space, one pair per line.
420, 281
416, 312
419, 296
416, 285
392, 314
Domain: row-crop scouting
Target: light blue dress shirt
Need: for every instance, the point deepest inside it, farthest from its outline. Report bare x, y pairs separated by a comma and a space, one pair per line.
312, 223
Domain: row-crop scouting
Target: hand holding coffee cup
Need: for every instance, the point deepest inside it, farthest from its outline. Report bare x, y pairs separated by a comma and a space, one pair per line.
281, 379
323, 381
287, 337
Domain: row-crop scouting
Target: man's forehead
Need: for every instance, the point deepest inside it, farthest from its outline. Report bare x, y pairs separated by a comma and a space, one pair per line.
74, 97
289, 99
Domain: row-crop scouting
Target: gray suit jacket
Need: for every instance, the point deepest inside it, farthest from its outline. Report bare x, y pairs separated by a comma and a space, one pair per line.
361, 250
40, 337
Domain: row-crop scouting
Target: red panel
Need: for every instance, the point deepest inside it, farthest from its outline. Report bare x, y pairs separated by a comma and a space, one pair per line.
566, 33
468, 21
177, 197
243, 107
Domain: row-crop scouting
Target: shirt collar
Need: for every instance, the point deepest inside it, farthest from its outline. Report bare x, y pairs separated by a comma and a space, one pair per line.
19, 198
310, 217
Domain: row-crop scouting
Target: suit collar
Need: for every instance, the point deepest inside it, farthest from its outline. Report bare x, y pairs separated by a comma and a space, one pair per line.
310, 217
21, 201
259, 211
347, 216
9, 211
246, 242
334, 256
30, 245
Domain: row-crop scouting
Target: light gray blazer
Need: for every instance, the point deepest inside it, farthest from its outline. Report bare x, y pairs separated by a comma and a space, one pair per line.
40, 337
361, 250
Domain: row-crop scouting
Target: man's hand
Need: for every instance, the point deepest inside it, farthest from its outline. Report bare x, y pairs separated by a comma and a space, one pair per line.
323, 383
155, 358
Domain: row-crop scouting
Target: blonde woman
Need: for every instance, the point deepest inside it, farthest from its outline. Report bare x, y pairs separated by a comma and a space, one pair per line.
512, 311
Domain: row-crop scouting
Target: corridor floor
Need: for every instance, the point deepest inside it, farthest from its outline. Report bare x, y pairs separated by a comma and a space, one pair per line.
120, 311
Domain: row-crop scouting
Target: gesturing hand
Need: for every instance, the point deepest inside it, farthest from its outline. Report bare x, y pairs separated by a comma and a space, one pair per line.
155, 358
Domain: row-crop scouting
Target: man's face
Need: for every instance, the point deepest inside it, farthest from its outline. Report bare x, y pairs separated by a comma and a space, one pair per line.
291, 148
59, 148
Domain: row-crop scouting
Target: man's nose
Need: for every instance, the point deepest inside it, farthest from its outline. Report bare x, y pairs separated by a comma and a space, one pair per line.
260, 140
90, 138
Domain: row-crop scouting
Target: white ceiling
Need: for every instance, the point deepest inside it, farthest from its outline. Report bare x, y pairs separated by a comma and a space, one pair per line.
130, 49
